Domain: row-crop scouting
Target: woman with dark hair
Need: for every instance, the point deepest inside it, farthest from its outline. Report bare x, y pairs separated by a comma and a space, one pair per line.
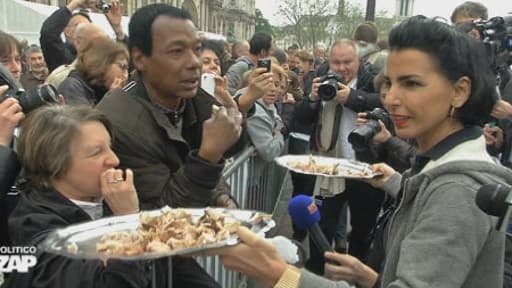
211, 56
439, 90
73, 178
102, 67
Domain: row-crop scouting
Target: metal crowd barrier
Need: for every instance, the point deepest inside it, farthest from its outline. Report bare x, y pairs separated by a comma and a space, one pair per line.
255, 194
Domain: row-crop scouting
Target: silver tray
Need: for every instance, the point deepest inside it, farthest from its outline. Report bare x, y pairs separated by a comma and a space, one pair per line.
87, 235
346, 168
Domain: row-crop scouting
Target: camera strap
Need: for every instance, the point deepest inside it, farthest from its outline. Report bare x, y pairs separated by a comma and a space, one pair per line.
335, 128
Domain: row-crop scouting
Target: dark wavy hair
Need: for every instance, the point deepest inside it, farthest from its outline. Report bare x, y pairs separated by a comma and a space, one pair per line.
456, 55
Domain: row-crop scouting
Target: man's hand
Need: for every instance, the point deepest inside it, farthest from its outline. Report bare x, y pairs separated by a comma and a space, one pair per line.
382, 136
493, 136
343, 93
114, 17
10, 116
502, 110
314, 90
260, 82
349, 269
120, 194
222, 130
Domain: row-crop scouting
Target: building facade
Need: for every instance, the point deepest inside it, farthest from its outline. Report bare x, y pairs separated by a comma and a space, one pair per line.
235, 19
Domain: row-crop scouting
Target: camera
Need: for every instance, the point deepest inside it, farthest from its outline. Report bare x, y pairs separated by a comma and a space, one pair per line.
104, 6
28, 100
264, 63
361, 136
329, 86
496, 35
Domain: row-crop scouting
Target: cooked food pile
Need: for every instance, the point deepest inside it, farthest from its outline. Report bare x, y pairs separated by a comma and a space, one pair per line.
334, 169
174, 229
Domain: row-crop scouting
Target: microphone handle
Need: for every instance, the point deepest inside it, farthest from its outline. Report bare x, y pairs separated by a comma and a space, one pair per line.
319, 239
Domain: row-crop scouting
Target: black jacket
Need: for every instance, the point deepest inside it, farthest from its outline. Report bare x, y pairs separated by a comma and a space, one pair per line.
78, 91
167, 168
40, 211
55, 51
364, 98
9, 170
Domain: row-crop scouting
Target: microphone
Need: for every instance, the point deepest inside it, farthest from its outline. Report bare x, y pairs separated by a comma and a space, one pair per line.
305, 215
495, 200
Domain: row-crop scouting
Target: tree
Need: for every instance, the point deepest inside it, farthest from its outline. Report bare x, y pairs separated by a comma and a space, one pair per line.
262, 24
347, 22
309, 19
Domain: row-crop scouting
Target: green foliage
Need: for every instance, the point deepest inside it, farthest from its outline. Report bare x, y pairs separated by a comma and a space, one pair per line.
313, 21
262, 24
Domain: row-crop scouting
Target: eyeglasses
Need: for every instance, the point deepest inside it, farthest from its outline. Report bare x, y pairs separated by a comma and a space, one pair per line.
122, 66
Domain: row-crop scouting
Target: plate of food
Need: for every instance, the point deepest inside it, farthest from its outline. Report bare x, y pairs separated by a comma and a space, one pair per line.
155, 234
326, 166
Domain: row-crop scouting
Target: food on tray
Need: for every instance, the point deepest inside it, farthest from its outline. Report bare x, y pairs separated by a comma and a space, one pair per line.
333, 169
172, 230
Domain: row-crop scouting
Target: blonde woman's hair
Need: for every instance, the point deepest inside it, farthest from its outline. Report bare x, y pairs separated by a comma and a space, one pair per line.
96, 59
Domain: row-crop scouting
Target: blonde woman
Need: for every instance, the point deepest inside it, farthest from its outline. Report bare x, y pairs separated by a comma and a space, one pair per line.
102, 67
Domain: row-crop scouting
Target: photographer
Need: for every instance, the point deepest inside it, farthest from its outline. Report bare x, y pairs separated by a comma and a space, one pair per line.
10, 116
382, 144
56, 52
334, 101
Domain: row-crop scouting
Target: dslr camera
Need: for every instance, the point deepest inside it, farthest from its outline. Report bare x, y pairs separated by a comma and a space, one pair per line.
28, 100
361, 136
329, 86
496, 35
104, 6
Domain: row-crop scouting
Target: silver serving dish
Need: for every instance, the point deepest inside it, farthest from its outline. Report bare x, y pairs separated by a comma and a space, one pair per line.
84, 237
345, 168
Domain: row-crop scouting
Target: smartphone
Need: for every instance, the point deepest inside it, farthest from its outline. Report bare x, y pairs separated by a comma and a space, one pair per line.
264, 63
208, 83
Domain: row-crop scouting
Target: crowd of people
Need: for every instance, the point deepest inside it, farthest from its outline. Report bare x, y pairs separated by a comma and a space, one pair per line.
133, 128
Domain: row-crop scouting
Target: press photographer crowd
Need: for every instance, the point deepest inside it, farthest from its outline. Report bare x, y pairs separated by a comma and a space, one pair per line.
94, 127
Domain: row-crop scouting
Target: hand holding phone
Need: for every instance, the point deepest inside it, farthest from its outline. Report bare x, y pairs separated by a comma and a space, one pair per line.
208, 83
264, 63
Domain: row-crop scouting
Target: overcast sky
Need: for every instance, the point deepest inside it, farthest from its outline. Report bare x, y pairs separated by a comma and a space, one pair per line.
429, 8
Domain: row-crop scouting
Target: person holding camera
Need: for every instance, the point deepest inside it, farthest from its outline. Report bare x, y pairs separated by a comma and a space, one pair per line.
260, 46
10, 116
341, 88
55, 51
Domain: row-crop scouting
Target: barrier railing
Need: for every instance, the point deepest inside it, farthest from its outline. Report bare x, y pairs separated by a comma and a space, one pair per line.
255, 194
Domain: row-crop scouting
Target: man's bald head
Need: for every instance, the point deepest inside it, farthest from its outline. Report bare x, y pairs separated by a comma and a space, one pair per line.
240, 48
75, 20
85, 33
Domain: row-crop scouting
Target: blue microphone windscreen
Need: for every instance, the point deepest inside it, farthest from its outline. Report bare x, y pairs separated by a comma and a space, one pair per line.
303, 211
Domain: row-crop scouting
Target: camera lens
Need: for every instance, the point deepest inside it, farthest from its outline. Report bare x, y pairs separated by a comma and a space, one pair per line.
361, 136
327, 90
34, 98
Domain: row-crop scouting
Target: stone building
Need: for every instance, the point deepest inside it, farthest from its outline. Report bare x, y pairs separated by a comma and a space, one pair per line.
234, 19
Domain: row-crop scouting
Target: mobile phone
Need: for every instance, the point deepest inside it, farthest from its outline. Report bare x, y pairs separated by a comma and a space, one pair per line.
208, 83
264, 63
